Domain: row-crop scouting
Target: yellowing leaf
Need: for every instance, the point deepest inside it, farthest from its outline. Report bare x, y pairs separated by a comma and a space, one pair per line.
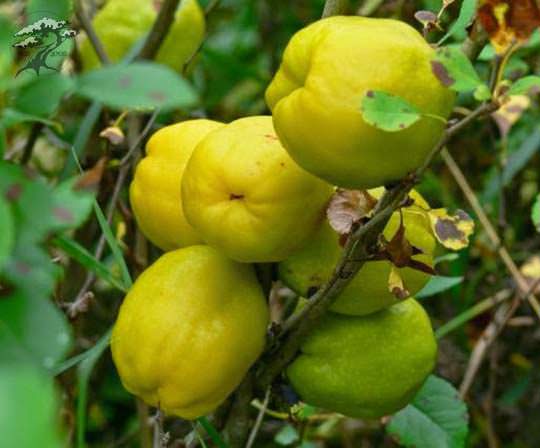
508, 22
396, 285
510, 112
452, 231
347, 207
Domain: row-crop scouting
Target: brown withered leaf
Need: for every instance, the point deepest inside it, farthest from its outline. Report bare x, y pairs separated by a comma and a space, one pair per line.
348, 207
510, 112
399, 249
452, 231
90, 179
114, 134
508, 21
396, 285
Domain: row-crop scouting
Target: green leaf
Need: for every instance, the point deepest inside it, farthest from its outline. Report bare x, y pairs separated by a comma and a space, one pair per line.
435, 418
12, 117
6, 50
455, 71
29, 408
535, 213
286, 436
141, 85
42, 95
465, 17
55, 9
519, 159
212, 432
7, 231
71, 207
525, 85
113, 245
388, 112
438, 284
33, 326
86, 259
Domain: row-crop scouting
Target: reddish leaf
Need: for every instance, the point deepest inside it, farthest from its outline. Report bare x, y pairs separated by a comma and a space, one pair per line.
508, 21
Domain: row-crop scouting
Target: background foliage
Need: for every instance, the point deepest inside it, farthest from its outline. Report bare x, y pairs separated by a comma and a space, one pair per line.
69, 247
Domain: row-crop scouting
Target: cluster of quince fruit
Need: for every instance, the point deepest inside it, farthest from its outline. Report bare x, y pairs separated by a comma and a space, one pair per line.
219, 197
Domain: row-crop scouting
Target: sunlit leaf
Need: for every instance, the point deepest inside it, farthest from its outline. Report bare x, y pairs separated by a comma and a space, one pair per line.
535, 213
465, 17
510, 112
396, 285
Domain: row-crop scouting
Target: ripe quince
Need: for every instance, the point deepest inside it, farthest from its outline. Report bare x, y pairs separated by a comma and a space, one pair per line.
309, 268
120, 24
315, 97
155, 191
366, 366
188, 331
243, 194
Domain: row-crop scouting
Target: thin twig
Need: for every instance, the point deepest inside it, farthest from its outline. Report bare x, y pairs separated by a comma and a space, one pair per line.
209, 9
30, 142
502, 315
91, 33
259, 420
334, 7
159, 30
75, 306
491, 232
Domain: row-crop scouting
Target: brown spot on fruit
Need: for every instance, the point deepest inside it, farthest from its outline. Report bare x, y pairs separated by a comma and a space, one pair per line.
236, 197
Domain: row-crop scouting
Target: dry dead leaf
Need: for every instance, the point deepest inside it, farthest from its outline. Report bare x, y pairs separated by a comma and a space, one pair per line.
452, 231
510, 112
531, 271
90, 179
347, 207
508, 21
114, 134
396, 285
399, 249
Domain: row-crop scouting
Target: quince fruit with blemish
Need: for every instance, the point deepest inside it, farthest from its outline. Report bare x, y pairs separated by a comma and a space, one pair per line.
155, 191
366, 366
188, 331
121, 24
309, 268
244, 195
327, 69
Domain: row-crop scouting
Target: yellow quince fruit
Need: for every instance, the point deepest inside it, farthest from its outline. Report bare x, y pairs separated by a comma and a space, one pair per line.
366, 366
155, 190
188, 331
120, 24
309, 268
327, 69
243, 194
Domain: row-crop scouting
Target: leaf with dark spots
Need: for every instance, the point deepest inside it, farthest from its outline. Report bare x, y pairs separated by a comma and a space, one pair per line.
22, 268
388, 112
455, 71
125, 81
425, 17
13, 192
157, 96
439, 70
452, 232
63, 214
